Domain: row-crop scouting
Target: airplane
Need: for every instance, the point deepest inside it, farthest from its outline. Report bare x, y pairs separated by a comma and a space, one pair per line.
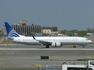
45, 41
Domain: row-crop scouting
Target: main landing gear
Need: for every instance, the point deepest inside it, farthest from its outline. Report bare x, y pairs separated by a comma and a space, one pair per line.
83, 46
47, 46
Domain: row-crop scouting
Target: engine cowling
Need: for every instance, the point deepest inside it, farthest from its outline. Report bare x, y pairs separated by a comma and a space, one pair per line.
56, 44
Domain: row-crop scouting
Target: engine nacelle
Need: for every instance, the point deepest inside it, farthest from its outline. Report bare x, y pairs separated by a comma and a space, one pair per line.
56, 44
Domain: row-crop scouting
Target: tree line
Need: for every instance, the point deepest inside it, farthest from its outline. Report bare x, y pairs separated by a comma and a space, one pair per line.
77, 32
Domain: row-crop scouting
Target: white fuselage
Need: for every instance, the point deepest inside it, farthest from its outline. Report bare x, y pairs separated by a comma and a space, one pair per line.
63, 40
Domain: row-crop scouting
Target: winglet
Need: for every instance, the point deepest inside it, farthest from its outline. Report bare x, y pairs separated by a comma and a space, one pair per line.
33, 37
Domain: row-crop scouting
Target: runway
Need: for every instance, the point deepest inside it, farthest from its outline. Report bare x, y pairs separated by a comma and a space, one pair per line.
26, 57
47, 49
39, 47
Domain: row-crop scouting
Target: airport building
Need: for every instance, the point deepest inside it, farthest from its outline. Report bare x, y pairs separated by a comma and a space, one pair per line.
46, 30
49, 31
24, 29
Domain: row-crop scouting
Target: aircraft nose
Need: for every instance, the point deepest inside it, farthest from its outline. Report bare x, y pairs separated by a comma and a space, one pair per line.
90, 41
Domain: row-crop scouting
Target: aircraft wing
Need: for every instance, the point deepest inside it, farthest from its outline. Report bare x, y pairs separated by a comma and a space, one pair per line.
42, 41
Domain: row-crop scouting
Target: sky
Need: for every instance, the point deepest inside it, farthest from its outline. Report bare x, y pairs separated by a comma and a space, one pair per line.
65, 14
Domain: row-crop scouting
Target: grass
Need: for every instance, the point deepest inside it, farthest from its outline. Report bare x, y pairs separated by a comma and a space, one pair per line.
18, 69
84, 59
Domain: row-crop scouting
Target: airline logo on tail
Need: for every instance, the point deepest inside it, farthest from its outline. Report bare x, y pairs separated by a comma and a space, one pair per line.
10, 31
13, 33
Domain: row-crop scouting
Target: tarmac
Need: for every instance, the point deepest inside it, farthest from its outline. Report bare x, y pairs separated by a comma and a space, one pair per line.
29, 56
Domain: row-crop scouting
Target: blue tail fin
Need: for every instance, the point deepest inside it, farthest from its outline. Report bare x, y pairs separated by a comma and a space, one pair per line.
10, 31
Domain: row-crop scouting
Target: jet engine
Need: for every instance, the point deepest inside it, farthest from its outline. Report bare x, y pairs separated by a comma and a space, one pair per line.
56, 44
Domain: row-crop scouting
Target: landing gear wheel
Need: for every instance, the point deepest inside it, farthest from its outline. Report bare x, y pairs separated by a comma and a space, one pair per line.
47, 46
74, 46
83, 46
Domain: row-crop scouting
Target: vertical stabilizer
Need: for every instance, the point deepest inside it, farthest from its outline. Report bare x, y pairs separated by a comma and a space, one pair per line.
10, 31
